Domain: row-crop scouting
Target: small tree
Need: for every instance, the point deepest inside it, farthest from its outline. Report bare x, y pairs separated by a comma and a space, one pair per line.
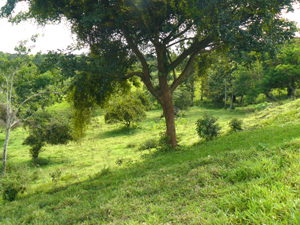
207, 127
126, 110
46, 128
16, 70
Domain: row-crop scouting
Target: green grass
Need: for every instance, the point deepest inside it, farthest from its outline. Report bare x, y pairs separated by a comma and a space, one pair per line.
248, 177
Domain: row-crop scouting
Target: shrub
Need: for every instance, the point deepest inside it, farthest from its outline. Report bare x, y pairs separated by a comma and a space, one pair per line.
46, 128
145, 99
14, 182
126, 110
207, 127
163, 144
235, 124
182, 97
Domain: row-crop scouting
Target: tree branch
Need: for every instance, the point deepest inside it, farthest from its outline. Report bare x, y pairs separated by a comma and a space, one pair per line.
184, 72
168, 46
146, 78
32, 96
195, 47
171, 38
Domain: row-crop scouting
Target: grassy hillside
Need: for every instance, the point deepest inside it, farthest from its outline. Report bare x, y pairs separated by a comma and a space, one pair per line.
248, 177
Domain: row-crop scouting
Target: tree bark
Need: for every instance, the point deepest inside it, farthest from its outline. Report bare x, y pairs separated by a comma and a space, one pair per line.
168, 110
166, 95
293, 93
232, 96
5, 151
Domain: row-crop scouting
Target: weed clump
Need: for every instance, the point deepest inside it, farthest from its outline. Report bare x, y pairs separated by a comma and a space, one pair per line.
207, 127
14, 182
148, 144
235, 124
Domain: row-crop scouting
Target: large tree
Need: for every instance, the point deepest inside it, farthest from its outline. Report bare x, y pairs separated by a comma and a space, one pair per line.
117, 30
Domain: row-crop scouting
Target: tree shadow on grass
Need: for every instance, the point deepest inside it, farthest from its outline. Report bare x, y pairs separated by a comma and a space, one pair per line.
120, 131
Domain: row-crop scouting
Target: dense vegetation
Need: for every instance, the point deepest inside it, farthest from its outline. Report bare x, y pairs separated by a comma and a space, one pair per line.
123, 34
242, 177
225, 74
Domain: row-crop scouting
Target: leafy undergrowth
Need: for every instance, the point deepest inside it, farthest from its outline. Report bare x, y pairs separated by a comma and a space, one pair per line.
248, 177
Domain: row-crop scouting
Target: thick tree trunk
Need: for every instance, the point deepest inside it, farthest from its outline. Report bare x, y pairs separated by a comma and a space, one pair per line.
166, 95
168, 110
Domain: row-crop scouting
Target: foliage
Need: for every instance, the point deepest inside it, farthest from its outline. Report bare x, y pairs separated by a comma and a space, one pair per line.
15, 181
207, 127
120, 33
263, 106
162, 122
47, 128
144, 98
23, 87
235, 124
126, 110
163, 144
232, 167
182, 97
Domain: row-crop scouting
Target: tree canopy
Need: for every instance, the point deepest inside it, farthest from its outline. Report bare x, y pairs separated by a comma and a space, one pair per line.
120, 32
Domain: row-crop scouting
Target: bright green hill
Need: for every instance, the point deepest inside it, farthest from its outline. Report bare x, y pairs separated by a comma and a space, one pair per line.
249, 177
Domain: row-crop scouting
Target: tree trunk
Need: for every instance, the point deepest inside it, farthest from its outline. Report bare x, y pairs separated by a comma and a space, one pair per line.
232, 97
225, 93
168, 110
289, 91
272, 98
166, 95
5, 151
293, 93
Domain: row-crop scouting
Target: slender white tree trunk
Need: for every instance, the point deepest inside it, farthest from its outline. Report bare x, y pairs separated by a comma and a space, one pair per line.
5, 150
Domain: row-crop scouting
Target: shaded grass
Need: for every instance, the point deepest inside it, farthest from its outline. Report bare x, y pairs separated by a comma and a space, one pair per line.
249, 177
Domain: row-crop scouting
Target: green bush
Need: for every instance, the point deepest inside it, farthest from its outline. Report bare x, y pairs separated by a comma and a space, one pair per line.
47, 128
207, 127
235, 124
14, 182
126, 110
263, 106
145, 99
182, 97
163, 144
